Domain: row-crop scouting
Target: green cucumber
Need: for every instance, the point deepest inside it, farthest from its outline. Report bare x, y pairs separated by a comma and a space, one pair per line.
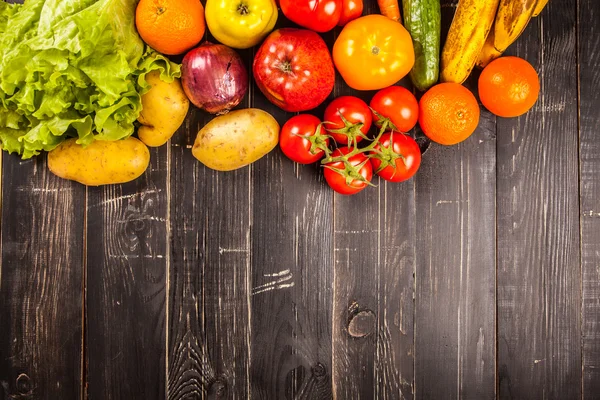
422, 18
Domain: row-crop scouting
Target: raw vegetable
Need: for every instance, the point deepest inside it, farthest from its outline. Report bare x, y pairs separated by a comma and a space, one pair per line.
397, 157
348, 120
389, 8
316, 15
214, 77
165, 106
71, 69
348, 176
539, 7
240, 24
373, 52
422, 19
470, 26
351, 9
397, 107
511, 20
100, 163
302, 139
236, 139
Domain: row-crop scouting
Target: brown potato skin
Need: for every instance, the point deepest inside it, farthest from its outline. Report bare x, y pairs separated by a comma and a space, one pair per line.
100, 163
236, 139
164, 108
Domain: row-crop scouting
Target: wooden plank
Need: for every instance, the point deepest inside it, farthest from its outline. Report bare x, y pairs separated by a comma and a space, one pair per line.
373, 287
126, 279
209, 281
292, 274
589, 158
41, 294
455, 263
539, 277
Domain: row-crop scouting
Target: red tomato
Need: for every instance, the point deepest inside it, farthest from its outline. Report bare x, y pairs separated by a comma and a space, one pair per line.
399, 157
351, 9
298, 139
350, 179
357, 115
399, 105
317, 15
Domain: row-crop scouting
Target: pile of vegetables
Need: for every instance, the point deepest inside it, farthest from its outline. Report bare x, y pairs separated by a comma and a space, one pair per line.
77, 80
71, 69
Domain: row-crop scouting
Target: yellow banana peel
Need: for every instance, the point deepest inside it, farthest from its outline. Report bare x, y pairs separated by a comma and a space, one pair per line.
539, 7
471, 24
511, 20
488, 52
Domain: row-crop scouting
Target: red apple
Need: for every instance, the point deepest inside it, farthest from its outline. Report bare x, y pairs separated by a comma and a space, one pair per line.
294, 70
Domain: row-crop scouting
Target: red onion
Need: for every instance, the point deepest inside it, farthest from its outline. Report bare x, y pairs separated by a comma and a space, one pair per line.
214, 77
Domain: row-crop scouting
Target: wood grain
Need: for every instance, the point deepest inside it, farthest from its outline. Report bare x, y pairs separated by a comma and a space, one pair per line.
292, 274
394, 364
126, 280
539, 276
455, 268
455, 263
41, 272
589, 158
209, 281
373, 287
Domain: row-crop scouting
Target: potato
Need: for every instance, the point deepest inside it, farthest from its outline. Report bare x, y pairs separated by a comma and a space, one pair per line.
164, 108
236, 139
100, 163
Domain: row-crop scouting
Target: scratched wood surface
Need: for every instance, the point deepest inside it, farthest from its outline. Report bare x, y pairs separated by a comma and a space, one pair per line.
478, 279
588, 53
539, 270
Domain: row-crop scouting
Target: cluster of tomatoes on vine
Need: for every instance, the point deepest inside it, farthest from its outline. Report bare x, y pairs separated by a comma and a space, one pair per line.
342, 144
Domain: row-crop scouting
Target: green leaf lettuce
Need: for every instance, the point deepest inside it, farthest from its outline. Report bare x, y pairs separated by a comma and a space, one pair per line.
71, 68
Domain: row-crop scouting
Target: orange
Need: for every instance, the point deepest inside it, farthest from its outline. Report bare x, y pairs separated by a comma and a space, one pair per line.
448, 113
170, 26
509, 86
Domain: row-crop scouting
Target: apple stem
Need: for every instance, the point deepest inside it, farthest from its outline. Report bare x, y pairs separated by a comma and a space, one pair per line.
285, 67
243, 9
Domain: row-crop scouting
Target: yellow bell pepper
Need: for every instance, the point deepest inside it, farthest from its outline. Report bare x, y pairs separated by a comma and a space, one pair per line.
240, 23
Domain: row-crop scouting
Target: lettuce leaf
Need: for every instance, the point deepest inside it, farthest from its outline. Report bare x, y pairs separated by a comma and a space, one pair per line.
71, 68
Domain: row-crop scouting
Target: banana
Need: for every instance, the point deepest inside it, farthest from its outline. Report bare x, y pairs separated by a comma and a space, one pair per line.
470, 26
539, 7
488, 52
511, 20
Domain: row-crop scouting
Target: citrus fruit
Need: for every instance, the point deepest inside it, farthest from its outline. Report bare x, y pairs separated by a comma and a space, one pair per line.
509, 86
448, 113
170, 26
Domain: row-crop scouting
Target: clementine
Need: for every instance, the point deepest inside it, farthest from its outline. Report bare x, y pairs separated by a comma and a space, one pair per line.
448, 113
170, 26
509, 86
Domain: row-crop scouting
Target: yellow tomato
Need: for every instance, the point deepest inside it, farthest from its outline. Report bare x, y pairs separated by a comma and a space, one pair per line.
373, 52
240, 23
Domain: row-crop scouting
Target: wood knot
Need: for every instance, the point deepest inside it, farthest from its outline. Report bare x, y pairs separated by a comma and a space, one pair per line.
362, 324
23, 384
217, 389
319, 370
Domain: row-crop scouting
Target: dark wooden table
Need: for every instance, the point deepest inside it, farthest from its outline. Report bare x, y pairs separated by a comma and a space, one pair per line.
480, 278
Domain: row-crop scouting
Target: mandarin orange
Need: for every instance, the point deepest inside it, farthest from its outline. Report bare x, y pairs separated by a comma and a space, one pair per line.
170, 26
448, 113
509, 87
